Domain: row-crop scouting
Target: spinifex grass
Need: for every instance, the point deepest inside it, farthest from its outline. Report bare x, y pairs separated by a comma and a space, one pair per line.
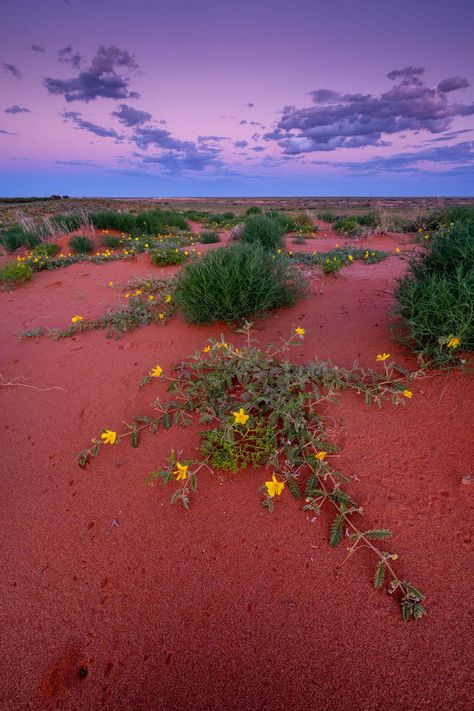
266, 412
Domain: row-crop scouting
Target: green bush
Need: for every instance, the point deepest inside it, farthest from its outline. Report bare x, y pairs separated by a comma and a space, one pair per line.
327, 216
110, 241
347, 226
16, 237
263, 230
209, 238
436, 297
150, 222
439, 219
287, 223
81, 244
254, 210
46, 249
15, 274
236, 283
370, 219
164, 256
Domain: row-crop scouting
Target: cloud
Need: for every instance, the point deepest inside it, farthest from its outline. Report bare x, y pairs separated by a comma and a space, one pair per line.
103, 79
8, 133
15, 109
68, 56
131, 117
356, 120
78, 163
240, 144
13, 70
36, 48
258, 149
452, 84
94, 128
175, 154
250, 105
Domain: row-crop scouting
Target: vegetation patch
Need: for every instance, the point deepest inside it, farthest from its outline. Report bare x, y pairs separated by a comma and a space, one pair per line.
266, 231
15, 274
267, 413
236, 283
332, 261
209, 238
81, 244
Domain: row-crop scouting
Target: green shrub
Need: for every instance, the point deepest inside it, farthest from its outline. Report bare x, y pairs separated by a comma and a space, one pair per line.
236, 283
81, 244
436, 297
16, 237
15, 274
439, 219
209, 238
304, 224
287, 223
327, 216
254, 210
150, 222
46, 249
370, 219
110, 241
164, 256
263, 230
347, 226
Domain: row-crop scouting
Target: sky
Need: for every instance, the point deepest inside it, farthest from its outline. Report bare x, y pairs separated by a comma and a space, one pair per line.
250, 98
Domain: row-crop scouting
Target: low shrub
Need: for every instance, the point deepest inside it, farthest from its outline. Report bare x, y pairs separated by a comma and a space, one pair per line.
439, 219
110, 241
16, 237
15, 274
236, 283
81, 244
263, 230
209, 238
347, 226
254, 210
165, 256
327, 216
436, 297
46, 249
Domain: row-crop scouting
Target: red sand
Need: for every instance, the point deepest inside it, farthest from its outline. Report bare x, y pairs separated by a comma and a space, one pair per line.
227, 606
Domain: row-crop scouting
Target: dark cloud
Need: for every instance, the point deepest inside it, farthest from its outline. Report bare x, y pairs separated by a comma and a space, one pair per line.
212, 139
94, 128
78, 163
174, 154
8, 133
356, 120
15, 109
131, 117
36, 48
250, 105
68, 56
243, 122
103, 79
149, 136
240, 144
452, 84
13, 70
258, 149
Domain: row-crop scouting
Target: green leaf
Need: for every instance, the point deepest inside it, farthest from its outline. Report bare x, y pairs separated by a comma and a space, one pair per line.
379, 575
293, 488
193, 482
377, 533
336, 532
166, 421
134, 438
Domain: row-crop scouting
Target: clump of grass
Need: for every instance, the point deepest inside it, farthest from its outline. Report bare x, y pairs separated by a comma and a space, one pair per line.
334, 259
347, 226
80, 244
111, 241
235, 283
16, 237
436, 297
164, 256
15, 274
209, 237
266, 231
45, 249
149, 222
327, 217
254, 210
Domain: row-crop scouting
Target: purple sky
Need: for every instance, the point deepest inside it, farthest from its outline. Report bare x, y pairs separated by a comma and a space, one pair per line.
158, 97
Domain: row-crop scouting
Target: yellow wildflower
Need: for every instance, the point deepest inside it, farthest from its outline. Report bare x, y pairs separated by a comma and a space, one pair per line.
206, 349
161, 315
381, 357
397, 249
240, 417
151, 297
350, 257
76, 319
109, 436
156, 371
453, 342
168, 298
274, 487
408, 394
321, 455
300, 331
110, 283
181, 471
127, 296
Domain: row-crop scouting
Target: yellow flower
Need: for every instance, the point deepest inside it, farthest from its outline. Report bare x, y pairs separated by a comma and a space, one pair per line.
180, 471
274, 487
206, 349
76, 319
240, 417
186, 254
127, 296
397, 249
161, 316
279, 251
321, 455
453, 342
299, 331
109, 436
427, 236
156, 371
151, 297
408, 394
337, 245
381, 357
137, 292
350, 257
168, 298
110, 283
